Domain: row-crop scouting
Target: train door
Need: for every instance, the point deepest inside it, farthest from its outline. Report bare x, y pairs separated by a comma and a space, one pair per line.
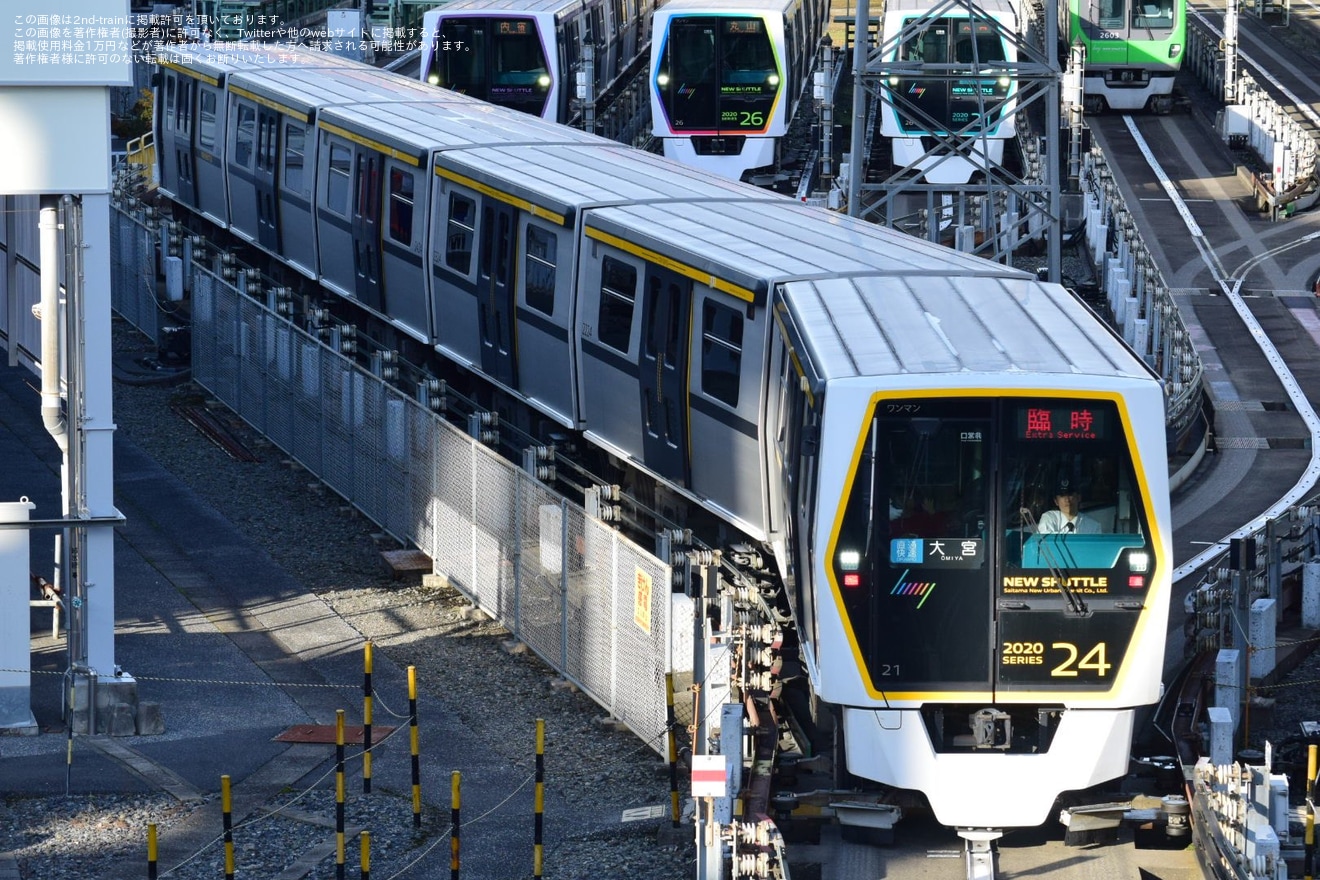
663, 368
366, 228
495, 292
268, 228
185, 99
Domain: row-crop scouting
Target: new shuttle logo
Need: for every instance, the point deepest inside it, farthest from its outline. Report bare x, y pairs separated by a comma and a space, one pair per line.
905, 587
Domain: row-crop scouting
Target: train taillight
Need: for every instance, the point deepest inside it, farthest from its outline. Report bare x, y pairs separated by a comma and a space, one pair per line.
849, 563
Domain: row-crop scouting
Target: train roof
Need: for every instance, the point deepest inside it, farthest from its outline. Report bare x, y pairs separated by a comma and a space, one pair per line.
218, 60
725, 7
416, 128
780, 240
946, 322
943, 311
564, 178
310, 88
473, 7
996, 8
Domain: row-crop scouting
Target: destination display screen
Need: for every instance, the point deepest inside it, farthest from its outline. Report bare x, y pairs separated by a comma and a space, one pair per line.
1053, 422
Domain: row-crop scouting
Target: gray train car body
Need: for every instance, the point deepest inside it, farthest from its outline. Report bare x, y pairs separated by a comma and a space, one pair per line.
545, 192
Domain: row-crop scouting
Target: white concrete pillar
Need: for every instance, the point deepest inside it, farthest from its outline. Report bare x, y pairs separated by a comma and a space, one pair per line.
1130, 311
98, 434
1279, 805
1221, 736
1262, 633
1228, 682
1311, 595
15, 631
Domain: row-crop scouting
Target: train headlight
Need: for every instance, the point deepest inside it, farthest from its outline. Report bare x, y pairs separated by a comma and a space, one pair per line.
1004, 81
893, 81
773, 79
1138, 561
849, 562
543, 81
1175, 49
434, 79
662, 79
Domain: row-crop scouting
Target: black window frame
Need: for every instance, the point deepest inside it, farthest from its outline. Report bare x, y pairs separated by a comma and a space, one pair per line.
617, 306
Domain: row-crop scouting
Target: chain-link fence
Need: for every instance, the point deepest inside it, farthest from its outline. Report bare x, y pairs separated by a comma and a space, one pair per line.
591, 603
133, 272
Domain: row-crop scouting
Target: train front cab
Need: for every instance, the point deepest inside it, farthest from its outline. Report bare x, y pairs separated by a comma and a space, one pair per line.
720, 89
725, 80
1134, 49
190, 118
671, 360
987, 666
525, 55
917, 108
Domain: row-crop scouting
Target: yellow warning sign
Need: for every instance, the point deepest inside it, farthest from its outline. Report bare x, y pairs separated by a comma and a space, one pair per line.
642, 601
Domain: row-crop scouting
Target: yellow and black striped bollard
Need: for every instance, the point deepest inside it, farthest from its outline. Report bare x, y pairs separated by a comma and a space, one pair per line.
366, 855
339, 794
538, 848
1309, 838
227, 812
151, 851
416, 756
366, 720
455, 797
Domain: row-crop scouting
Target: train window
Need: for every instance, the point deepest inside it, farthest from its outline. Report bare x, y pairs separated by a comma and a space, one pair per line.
1112, 13
169, 101
1152, 15
185, 105
265, 143
401, 205
295, 136
540, 269
337, 184
245, 135
504, 254
462, 226
618, 292
206, 120
721, 352
663, 341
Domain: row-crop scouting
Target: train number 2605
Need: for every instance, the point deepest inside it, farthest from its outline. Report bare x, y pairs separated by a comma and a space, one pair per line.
1075, 662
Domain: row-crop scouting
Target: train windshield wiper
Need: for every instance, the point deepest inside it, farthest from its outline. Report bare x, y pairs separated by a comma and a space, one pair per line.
1076, 605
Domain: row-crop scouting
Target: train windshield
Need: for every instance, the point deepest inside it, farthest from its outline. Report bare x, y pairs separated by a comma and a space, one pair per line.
940, 104
718, 75
501, 60
1153, 16
977, 522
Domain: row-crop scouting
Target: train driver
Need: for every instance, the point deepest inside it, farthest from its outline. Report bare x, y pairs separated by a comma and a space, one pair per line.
1068, 519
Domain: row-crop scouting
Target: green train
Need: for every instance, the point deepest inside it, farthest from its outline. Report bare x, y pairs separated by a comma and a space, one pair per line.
1133, 50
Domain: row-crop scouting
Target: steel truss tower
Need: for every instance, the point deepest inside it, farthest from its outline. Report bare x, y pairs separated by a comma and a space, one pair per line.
1010, 205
